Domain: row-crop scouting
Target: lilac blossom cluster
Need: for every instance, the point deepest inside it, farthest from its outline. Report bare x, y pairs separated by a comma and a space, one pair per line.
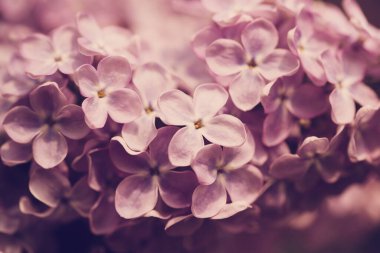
266, 120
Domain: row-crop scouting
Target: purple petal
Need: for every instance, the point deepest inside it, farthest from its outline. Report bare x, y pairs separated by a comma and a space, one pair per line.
124, 105
27, 206
259, 38
289, 167
47, 99
203, 38
87, 80
135, 196
13, 153
177, 108
342, 106
308, 101
126, 162
277, 127
48, 186
95, 110
36, 46
206, 162
231, 209
313, 145
71, 123
82, 197
208, 99
245, 89
184, 145
139, 134
22, 124
225, 130
158, 148
225, 57
176, 188
88, 27
103, 216
49, 148
151, 81
279, 63
244, 184
208, 200
363, 94
114, 71
333, 66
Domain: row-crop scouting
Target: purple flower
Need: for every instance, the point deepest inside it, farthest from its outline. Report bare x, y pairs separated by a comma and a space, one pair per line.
150, 81
221, 171
106, 93
45, 55
152, 175
287, 99
346, 72
46, 125
253, 64
198, 115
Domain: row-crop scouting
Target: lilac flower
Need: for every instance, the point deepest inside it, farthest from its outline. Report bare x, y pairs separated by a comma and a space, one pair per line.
151, 175
288, 98
315, 156
13, 153
110, 40
346, 73
150, 80
252, 64
198, 115
45, 55
224, 170
364, 142
106, 93
50, 119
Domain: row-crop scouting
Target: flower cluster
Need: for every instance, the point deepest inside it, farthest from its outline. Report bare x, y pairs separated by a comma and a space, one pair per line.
264, 121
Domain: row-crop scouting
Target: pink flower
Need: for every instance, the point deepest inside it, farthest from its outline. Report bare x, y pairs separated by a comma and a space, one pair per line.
46, 125
253, 64
151, 176
45, 55
110, 40
106, 94
199, 116
346, 72
150, 81
221, 171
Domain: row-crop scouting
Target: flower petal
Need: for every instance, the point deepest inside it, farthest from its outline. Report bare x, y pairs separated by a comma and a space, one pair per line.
87, 80
308, 101
208, 99
135, 196
176, 188
139, 133
114, 71
246, 88
259, 38
279, 63
225, 57
47, 99
13, 153
88, 27
184, 145
124, 105
49, 148
206, 162
225, 130
177, 108
277, 127
22, 124
95, 111
71, 123
231, 209
36, 47
313, 145
342, 106
244, 184
158, 148
208, 200
48, 186
73, 62
289, 167
363, 94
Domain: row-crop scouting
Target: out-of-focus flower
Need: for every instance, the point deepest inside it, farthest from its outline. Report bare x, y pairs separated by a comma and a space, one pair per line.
45, 55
